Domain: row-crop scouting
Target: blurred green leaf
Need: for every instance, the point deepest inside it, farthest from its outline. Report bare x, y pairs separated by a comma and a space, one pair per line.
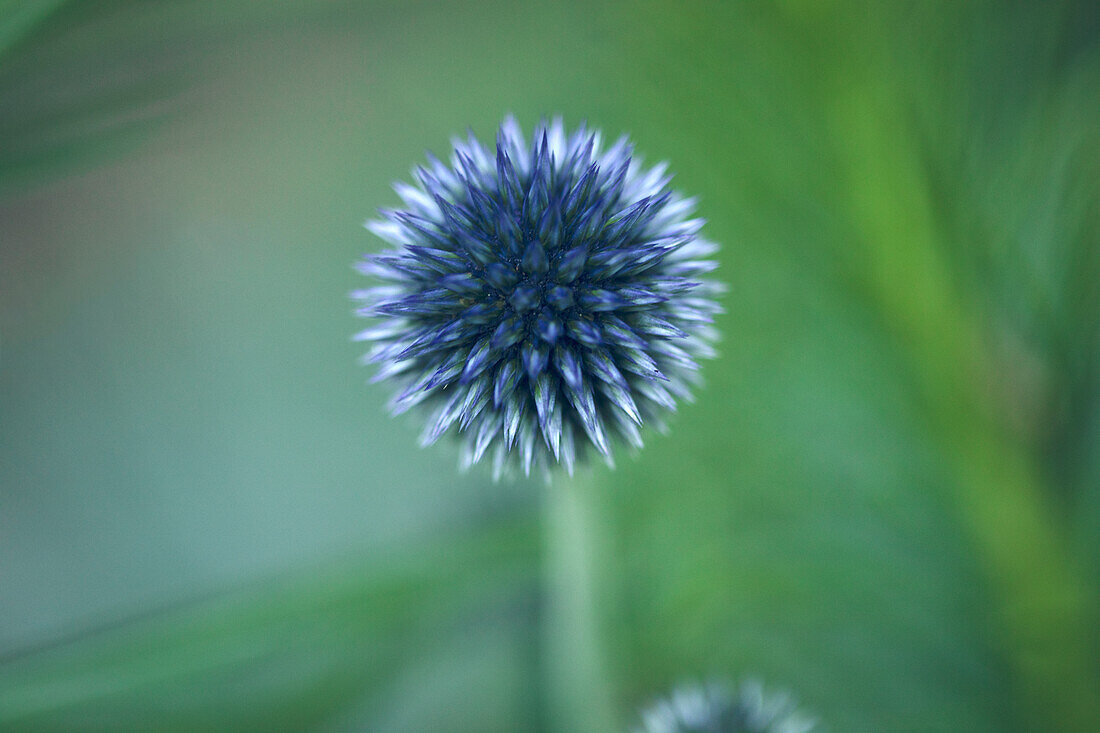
19, 17
83, 82
327, 649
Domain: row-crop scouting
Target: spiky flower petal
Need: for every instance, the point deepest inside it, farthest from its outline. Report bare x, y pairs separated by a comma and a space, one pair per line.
542, 301
713, 709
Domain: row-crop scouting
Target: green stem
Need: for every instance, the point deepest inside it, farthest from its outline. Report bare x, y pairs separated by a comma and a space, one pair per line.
577, 675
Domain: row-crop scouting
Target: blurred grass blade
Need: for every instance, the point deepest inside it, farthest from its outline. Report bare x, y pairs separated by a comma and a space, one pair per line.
80, 82
19, 17
298, 653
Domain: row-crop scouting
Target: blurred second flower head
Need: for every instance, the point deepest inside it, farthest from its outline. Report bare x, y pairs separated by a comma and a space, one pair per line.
715, 708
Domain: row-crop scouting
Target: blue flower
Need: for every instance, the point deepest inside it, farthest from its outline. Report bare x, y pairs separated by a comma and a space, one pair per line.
542, 302
713, 709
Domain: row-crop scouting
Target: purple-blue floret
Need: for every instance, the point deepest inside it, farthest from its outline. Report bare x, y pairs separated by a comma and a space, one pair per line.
542, 302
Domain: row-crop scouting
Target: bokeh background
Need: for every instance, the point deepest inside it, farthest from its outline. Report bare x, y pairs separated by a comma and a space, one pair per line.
886, 500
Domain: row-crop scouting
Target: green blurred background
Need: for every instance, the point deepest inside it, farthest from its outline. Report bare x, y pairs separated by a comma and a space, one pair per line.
886, 499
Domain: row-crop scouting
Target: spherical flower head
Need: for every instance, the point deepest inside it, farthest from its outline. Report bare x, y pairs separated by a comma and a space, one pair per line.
714, 709
542, 301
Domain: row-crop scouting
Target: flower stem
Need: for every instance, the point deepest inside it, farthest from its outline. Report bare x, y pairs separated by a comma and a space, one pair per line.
577, 675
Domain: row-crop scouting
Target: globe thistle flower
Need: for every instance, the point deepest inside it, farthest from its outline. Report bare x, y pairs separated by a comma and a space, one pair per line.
543, 301
713, 709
